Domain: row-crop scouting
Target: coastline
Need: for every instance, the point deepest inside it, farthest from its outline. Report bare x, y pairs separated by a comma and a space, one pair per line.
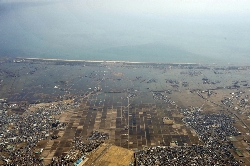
20, 59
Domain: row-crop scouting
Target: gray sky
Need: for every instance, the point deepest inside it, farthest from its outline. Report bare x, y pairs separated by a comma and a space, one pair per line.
161, 7
117, 29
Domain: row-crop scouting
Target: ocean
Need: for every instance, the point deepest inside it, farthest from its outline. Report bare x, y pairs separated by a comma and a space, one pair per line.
54, 30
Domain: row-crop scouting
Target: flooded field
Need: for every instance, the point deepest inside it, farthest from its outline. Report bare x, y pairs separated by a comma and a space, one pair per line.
139, 105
